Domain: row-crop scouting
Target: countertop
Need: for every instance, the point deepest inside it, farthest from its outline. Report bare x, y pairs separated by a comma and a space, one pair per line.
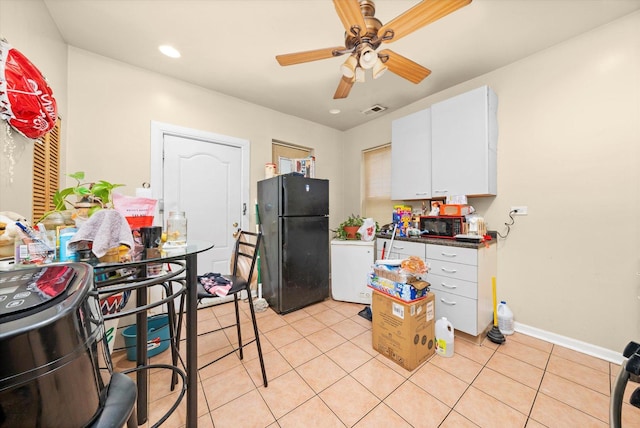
440, 241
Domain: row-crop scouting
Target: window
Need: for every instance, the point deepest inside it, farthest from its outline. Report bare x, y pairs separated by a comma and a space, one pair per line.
377, 184
284, 151
46, 171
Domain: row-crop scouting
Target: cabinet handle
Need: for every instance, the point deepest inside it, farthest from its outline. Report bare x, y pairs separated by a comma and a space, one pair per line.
421, 193
439, 191
451, 287
443, 300
449, 270
448, 254
398, 248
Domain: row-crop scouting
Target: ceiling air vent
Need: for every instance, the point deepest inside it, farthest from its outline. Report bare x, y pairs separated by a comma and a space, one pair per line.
374, 109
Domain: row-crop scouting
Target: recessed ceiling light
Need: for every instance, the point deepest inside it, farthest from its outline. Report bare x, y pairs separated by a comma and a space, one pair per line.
169, 51
334, 111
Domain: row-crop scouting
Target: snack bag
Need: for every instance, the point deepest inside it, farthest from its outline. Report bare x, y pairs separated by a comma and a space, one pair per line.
138, 212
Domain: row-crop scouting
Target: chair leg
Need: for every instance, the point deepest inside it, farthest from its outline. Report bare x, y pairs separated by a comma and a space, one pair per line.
240, 347
183, 300
255, 331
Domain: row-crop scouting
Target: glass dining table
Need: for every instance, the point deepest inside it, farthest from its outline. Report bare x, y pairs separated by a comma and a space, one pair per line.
187, 260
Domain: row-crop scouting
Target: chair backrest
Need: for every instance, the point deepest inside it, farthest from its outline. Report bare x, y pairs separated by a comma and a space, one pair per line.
246, 254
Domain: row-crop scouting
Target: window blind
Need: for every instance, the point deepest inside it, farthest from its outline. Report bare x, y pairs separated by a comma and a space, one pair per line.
46, 171
377, 184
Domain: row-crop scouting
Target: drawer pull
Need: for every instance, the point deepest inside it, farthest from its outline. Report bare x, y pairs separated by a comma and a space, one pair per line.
448, 254
443, 300
451, 287
449, 270
397, 247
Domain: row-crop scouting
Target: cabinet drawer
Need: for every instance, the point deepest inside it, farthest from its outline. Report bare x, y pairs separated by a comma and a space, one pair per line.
461, 311
401, 249
453, 270
453, 285
467, 256
409, 249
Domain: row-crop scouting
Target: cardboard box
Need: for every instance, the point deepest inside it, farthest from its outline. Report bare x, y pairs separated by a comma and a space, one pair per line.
404, 332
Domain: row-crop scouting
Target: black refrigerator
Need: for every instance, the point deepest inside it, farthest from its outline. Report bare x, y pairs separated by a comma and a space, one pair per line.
294, 254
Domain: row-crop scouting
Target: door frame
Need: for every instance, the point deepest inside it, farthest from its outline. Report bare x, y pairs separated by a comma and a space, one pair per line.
160, 129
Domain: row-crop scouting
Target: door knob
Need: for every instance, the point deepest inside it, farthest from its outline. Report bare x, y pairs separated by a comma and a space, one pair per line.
237, 232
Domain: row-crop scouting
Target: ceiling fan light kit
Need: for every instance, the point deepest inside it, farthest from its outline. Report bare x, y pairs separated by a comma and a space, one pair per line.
364, 34
378, 69
368, 57
349, 67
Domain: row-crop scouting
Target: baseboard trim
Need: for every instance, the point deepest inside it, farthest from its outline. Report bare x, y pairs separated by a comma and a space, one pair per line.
567, 342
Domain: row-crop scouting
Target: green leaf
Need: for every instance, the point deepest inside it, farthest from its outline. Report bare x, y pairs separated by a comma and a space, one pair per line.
79, 176
81, 191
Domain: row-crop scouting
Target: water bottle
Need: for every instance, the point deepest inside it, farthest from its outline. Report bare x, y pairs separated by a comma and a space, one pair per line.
505, 318
444, 337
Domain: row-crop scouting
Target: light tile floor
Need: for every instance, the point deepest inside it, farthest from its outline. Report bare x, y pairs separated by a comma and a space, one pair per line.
323, 372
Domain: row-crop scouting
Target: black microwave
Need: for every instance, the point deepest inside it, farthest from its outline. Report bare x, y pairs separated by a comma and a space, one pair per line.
441, 226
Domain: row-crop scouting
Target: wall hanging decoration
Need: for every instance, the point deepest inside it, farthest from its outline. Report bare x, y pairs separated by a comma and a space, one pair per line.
26, 100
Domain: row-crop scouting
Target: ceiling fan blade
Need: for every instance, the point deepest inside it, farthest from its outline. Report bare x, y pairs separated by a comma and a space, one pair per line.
344, 87
404, 67
418, 16
307, 56
350, 15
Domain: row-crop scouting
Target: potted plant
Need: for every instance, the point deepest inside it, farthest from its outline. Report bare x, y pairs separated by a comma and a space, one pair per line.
89, 196
348, 229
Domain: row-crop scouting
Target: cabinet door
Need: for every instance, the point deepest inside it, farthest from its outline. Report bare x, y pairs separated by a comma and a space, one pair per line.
351, 263
411, 156
464, 140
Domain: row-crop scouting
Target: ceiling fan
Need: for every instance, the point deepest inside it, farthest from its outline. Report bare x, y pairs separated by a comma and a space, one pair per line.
363, 36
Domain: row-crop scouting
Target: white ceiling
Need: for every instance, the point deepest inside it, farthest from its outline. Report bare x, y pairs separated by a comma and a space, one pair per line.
229, 46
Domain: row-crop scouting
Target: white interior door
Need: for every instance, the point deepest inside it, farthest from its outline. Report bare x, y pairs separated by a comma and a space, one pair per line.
206, 175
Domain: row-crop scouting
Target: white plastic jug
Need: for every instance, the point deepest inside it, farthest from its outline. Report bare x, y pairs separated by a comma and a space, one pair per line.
444, 337
505, 318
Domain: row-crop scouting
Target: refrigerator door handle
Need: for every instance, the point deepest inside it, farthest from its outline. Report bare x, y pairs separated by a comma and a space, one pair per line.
284, 238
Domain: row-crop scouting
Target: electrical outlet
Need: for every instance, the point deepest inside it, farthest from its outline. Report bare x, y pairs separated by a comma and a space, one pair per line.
520, 210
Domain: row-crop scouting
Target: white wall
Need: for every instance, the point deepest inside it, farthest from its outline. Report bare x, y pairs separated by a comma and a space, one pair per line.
112, 105
569, 149
28, 28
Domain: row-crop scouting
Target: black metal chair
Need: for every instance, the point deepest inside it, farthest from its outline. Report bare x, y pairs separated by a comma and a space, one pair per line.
246, 251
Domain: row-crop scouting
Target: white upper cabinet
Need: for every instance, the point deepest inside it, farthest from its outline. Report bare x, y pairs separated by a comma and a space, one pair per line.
411, 156
464, 135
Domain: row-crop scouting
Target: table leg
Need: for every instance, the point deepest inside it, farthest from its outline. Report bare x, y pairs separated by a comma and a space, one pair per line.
192, 339
141, 354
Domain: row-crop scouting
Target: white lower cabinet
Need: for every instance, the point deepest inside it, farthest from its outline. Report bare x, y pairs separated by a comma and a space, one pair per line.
351, 263
459, 277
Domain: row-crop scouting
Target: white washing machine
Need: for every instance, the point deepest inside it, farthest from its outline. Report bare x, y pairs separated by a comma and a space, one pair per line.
351, 263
